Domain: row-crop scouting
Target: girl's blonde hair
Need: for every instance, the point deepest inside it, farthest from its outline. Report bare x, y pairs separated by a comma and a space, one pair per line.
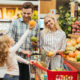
4, 48
56, 25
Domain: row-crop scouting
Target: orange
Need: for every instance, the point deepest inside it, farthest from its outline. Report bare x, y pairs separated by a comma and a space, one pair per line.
76, 52
50, 54
69, 43
32, 23
78, 40
71, 54
73, 42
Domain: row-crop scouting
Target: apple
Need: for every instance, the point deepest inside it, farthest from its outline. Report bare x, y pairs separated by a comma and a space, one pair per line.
73, 29
76, 33
78, 30
77, 22
78, 40
74, 26
78, 57
71, 54
77, 26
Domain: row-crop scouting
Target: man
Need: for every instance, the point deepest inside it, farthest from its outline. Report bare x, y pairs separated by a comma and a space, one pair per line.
19, 26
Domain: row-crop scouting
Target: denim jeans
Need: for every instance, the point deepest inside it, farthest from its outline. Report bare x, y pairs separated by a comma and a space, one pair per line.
8, 77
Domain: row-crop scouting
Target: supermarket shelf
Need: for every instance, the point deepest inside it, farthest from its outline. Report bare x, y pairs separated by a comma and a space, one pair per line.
73, 35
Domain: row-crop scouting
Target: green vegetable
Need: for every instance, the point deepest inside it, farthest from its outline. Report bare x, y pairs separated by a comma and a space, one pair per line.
34, 39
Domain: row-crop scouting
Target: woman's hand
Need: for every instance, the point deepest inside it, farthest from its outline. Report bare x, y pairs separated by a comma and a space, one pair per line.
50, 54
59, 51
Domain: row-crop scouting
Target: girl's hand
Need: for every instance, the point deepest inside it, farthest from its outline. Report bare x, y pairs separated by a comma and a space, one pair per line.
31, 61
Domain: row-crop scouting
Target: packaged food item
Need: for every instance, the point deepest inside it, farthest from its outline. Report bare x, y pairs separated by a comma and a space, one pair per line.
45, 77
42, 77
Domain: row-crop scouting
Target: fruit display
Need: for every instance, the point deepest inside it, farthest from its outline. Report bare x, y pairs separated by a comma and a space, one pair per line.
35, 15
76, 28
72, 51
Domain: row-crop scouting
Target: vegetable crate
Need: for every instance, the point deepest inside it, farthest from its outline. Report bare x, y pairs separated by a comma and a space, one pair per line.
60, 75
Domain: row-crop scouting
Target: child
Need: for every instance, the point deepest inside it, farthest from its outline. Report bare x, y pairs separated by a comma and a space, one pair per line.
8, 55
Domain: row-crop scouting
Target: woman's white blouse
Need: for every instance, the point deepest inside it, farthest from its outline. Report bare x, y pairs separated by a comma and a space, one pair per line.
53, 41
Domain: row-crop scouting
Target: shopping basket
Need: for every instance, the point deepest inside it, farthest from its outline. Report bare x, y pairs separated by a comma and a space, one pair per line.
60, 75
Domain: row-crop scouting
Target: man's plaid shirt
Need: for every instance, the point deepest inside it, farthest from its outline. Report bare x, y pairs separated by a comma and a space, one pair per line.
18, 28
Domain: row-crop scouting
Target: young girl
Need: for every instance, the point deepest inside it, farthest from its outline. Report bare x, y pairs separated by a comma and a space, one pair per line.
8, 54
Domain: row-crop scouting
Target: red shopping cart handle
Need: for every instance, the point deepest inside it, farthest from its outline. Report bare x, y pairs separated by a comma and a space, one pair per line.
39, 66
61, 54
28, 55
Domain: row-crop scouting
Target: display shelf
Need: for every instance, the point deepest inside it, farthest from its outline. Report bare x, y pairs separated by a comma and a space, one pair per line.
73, 35
5, 20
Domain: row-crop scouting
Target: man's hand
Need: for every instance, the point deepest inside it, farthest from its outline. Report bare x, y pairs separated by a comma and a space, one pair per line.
34, 43
31, 27
59, 51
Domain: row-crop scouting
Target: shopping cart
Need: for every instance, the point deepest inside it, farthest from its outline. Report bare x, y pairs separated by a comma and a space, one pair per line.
63, 75
60, 75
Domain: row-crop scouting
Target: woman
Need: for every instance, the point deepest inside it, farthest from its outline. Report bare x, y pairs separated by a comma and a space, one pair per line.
53, 39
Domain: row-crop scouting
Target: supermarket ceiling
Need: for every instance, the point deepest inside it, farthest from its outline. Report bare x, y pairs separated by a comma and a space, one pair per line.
16, 2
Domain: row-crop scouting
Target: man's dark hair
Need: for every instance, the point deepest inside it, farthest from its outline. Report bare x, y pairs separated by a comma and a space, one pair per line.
27, 5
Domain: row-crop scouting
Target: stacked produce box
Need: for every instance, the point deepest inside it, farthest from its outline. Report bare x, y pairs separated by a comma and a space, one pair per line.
72, 51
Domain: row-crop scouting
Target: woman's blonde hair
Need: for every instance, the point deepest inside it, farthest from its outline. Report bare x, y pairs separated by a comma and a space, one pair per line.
4, 48
56, 25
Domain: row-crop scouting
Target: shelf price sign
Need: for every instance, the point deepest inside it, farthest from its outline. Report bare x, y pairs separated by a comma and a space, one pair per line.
72, 9
53, 11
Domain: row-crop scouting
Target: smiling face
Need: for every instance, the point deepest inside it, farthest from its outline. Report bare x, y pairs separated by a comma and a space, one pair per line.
49, 23
27, 13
